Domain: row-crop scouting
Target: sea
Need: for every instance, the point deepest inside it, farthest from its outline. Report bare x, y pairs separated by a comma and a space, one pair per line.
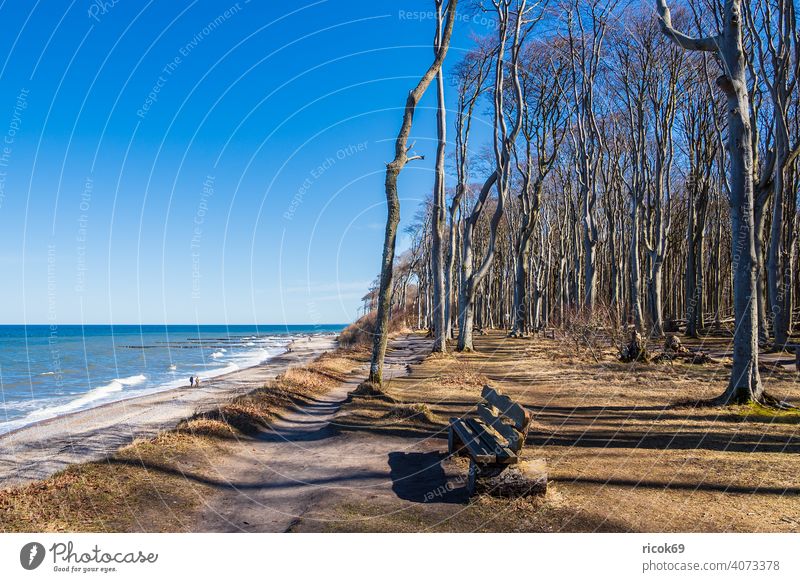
47, 371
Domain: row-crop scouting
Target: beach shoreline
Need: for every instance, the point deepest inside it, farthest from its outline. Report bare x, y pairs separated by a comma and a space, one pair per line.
45, 447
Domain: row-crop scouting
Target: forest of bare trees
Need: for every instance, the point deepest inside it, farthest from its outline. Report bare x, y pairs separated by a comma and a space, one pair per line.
640, 173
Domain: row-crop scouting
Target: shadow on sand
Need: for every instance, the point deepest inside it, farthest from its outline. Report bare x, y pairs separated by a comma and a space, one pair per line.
420, 478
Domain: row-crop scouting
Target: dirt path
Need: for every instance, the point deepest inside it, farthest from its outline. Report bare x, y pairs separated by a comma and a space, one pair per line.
268, 485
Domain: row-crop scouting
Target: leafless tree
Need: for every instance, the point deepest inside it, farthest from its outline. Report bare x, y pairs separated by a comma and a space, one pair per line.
393, 170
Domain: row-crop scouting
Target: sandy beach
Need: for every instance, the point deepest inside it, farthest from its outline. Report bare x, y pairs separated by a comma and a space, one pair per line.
41, 449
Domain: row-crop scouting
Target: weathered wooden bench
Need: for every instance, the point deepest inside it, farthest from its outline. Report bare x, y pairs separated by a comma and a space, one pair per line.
796, 349
493, 441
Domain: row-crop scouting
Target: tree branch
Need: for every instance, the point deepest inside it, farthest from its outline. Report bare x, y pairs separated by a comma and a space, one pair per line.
708, 44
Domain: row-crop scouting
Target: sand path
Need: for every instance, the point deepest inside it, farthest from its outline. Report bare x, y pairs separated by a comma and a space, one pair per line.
269, 485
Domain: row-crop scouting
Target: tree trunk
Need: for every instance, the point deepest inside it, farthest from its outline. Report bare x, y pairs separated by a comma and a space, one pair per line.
745, 383
393, 170
438, 220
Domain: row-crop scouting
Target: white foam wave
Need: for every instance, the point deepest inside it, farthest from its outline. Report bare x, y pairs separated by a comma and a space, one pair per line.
265, 349
87, 399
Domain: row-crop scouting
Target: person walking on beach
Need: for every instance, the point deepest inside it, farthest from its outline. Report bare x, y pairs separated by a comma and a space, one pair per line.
191, 380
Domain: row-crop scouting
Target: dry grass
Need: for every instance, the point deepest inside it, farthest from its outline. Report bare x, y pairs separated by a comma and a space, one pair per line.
621, 455
140, 488
248, 414
413, 411
459, 376
362, 332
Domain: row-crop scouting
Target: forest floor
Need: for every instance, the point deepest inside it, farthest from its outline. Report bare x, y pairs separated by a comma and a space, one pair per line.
622, 452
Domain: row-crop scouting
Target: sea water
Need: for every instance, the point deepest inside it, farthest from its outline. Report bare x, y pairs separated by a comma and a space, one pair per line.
47, 371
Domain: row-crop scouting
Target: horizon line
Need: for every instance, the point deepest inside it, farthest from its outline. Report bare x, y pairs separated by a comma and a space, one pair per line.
183, 324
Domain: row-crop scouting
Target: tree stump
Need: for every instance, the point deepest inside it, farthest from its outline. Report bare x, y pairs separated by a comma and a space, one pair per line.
673, 343
635, 351
675, 350
525, 479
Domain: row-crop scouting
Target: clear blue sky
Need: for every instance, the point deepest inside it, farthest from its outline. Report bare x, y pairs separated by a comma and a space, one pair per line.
205, 161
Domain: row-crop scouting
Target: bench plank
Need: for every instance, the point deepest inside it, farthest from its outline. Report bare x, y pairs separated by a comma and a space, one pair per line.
493, 441
511, 435
507, 407
475, 446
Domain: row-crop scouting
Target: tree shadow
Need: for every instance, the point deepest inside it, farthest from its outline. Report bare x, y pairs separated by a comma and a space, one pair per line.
612, 439
420, 478
684, 486
271, 481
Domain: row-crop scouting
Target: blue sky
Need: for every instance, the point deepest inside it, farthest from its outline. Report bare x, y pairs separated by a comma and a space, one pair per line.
206, 161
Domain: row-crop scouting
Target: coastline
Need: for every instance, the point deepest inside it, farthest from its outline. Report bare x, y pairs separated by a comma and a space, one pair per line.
43, 448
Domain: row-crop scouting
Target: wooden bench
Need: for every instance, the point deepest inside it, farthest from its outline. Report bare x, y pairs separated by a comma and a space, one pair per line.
797, 358
796, 349
493, 441
550, 333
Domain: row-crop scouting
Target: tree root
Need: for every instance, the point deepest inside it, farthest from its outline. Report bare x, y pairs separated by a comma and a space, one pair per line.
767, 401
369, 390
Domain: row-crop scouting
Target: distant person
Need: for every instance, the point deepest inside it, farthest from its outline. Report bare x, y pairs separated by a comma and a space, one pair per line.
191, 380
197, 382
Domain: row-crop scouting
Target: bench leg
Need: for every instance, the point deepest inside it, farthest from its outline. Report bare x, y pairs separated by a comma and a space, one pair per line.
455, 447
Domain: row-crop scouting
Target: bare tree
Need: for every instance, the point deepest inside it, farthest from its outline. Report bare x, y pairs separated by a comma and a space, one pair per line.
439, 221
745, 383
470, 78
503, 142
586, 30
543, 122
393, 170
773, 27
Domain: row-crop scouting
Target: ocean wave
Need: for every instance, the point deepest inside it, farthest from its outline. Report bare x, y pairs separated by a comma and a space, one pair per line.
87, 399
49, 405
116, 385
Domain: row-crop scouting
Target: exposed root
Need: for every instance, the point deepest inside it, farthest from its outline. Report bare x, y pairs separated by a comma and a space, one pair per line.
766, 401
369, 390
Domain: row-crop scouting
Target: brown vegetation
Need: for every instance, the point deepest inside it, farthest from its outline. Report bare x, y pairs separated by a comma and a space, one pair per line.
622, 453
